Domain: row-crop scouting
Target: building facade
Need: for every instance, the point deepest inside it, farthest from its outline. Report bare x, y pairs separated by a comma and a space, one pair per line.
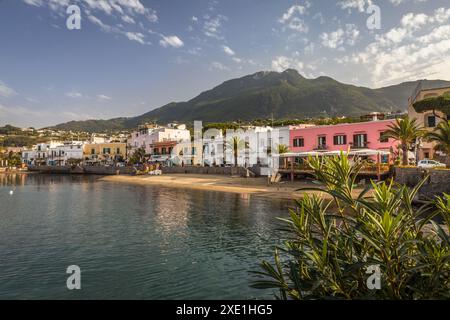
342, 137
426, 119
149, 136
53, 153
104, 152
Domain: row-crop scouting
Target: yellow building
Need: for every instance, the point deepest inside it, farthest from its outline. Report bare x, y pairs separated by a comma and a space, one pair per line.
427, 119
104, 152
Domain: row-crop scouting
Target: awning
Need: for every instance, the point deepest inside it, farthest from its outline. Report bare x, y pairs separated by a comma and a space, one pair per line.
360, 152
300, 154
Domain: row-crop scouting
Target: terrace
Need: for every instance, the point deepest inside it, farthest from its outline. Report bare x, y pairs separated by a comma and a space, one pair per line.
297, 163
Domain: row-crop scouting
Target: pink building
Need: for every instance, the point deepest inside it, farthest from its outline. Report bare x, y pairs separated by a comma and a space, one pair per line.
362, 135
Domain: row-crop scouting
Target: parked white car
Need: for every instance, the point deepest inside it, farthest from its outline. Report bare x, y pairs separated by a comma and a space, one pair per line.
428, 164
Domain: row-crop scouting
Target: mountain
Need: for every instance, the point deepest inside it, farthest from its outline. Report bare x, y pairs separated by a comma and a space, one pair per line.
263, 94
400, 93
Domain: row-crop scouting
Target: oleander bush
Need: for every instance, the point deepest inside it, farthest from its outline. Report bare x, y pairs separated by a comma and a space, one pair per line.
335, 249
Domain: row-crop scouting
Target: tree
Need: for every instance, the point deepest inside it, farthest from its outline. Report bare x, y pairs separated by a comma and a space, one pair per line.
282, 148
406, 131
236, 144
344, 247
138, 156
435, 104
441, 135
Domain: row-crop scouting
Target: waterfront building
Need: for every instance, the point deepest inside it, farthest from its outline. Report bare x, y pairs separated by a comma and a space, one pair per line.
65, 153
39, 153
213, 148
342, 137
104, 153
427, 119
149, 134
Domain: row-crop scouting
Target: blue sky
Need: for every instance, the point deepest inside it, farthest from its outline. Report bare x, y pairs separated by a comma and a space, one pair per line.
131, 56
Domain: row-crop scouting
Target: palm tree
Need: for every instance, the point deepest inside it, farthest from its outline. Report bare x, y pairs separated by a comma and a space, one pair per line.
236, 144
282, 148
441, 135
406, 131
138, 156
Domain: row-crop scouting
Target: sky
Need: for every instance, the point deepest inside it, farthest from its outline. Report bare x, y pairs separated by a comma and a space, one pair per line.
131, 56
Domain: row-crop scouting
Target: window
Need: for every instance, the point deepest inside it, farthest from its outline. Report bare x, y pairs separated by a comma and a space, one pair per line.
118, 151
92, 151
299, 142
383, 139
322, 141
360, 140
106, 150
155, 151
163, 151
340, 140
431, 121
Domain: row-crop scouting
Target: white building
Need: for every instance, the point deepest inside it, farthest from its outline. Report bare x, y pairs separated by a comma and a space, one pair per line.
61, 154
213, 147
53, 153
147, 135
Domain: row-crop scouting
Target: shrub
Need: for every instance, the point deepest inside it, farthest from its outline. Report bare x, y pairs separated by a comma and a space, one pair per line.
333, 246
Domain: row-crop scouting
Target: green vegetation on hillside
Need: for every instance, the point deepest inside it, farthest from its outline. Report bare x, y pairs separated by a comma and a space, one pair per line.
266, 95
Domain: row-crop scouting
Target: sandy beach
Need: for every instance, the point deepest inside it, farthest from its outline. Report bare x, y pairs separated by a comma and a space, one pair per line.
254, 186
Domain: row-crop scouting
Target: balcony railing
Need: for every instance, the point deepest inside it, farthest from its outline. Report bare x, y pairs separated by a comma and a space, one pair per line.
321, 147
363, 145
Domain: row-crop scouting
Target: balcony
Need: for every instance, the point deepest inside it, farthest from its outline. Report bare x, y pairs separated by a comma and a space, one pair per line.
363, 145
321, 147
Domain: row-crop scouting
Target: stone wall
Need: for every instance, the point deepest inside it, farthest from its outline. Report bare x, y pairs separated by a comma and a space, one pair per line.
100, 170
437, 183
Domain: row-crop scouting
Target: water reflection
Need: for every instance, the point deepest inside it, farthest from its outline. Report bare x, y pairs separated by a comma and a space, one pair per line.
131, 241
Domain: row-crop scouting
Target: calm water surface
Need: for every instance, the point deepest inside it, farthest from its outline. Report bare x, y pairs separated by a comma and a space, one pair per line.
131, 242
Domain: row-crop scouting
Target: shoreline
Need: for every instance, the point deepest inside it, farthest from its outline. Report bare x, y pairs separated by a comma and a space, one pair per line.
251, 186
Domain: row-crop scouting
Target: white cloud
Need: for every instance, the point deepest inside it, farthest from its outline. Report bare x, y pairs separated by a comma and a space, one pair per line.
6, 91
125, 10
293, 18
74, 95
398, 2
338, 38
172, 41
103, 97
282, 63
349, 5
419, 47
212, 26
228, 50
36, 3
136, 36
128, 19
104, 27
